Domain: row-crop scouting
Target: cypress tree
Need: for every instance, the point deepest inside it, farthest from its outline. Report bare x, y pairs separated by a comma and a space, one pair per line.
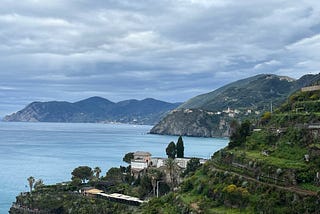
171, 150
180, 148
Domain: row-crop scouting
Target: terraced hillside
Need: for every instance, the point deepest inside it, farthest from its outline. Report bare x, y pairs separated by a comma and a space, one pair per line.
270, 167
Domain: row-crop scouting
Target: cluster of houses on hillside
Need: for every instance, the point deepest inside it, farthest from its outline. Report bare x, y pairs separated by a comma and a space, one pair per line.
233, 112
143, 160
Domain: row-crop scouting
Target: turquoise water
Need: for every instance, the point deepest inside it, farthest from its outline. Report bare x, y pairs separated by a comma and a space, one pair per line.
50, 151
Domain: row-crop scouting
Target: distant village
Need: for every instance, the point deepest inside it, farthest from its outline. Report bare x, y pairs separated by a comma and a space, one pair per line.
231, 113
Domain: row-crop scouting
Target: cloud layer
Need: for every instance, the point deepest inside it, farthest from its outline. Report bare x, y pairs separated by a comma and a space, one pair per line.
170, 49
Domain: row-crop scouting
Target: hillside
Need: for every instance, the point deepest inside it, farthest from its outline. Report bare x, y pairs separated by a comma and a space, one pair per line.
94, 109
246, 98
270, 167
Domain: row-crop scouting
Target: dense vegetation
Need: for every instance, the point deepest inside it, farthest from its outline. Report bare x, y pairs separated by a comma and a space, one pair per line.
271, 166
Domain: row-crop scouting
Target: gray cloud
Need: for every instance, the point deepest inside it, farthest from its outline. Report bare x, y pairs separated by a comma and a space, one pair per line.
170, 49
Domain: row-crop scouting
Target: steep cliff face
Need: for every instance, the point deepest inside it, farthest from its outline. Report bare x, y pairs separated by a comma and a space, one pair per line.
95, 109
191, 122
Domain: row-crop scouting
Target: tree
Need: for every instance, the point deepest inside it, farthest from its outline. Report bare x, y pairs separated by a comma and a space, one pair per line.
154, 175
76, 182
145, 186
245, 130
192, 165
171, 167
97, 171
128, 157
239, 133
114, 175
180, 148
266, 117
171, 150
82, 172
234, 133
31, 181
38, 183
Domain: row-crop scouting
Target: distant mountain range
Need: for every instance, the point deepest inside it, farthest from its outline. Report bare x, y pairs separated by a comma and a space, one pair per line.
209, 114
93, 110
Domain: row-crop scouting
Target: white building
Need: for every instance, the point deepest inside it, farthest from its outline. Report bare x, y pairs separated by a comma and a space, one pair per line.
182, 162
137, 164
158, 162
141, 161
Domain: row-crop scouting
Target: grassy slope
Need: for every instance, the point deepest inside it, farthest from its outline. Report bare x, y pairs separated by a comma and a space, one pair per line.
207, 190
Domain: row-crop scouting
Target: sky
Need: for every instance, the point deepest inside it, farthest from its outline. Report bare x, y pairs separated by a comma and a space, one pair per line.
170, 50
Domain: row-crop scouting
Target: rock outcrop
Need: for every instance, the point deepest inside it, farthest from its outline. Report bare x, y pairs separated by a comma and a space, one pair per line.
191, 122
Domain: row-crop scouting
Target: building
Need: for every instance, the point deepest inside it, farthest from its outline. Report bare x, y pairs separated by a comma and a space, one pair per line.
158, 162
141, 161
142, 156
182, 162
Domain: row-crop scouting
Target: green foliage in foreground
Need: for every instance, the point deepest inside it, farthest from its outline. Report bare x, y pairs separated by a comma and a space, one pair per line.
58, 199
214, 191
257, 170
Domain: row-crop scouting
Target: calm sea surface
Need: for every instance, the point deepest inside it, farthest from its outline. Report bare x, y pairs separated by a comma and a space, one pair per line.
51, 151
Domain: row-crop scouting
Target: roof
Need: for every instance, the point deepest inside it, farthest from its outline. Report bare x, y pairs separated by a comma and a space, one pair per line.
138, 161
158, 158
93, 191
141, 153
121, 196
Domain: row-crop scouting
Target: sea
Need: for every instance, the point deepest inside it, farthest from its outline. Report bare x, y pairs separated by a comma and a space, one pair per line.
50, 151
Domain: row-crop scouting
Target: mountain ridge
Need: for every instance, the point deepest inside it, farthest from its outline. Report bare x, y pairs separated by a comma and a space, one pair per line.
209, 114
94, 109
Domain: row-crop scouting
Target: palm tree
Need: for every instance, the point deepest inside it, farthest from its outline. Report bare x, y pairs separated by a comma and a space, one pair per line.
31, 181
97, 170
155, 175
171, 166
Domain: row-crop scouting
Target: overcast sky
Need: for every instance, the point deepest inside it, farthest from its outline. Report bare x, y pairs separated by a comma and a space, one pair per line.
166, 49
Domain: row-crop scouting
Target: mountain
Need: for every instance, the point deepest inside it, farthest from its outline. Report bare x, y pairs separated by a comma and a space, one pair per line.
246, 98
95, 109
